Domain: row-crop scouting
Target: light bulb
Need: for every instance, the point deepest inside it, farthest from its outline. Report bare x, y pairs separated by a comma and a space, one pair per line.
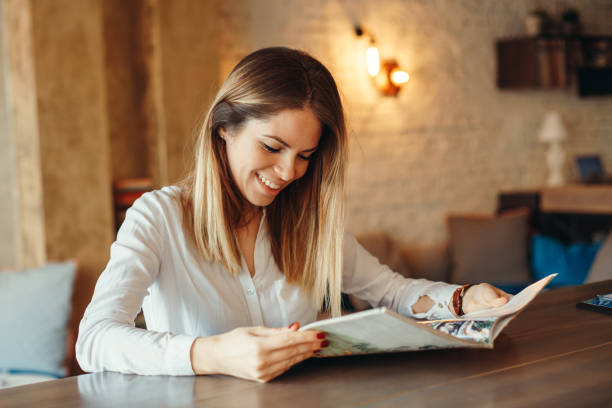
372, 60
399, 77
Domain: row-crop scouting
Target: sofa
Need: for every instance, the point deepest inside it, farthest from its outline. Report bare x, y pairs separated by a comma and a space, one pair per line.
499, 249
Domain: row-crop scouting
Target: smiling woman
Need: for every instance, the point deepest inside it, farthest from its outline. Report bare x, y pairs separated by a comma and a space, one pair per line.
227, 265
267, 155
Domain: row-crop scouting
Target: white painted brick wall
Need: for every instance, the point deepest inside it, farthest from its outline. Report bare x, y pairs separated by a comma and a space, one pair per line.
450, 141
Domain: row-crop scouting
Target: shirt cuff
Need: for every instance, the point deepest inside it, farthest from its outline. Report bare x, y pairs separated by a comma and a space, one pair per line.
178, 356
442, 296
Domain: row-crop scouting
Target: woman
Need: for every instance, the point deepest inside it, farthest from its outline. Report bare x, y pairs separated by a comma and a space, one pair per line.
251, 244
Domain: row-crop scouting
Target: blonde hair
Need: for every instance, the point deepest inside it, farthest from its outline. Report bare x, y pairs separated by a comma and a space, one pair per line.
306, 219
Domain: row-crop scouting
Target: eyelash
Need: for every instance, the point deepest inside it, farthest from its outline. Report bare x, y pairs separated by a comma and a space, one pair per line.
273, 150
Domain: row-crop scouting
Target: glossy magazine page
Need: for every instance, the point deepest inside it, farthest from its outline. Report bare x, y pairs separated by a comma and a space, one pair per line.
382, 330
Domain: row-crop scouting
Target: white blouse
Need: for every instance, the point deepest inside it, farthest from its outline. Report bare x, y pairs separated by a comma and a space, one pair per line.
155, 265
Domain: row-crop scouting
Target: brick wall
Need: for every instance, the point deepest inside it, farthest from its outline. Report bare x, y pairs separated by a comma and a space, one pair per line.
450, 141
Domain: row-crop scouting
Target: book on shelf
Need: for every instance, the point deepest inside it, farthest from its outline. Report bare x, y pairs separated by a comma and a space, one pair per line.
125, 192
381, 330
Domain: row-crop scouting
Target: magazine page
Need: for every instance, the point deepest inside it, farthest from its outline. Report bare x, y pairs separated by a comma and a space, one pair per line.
381, 330
517, 303
478, 331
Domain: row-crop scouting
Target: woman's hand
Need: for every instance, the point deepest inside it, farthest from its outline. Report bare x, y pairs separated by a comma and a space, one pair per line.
483, 296
255, 353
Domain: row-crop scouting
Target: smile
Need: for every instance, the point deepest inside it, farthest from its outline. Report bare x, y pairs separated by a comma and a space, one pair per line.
268, 182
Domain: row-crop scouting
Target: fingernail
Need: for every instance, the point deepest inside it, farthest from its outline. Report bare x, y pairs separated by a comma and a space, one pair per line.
292, 325
320, 335
316, 351
324, 344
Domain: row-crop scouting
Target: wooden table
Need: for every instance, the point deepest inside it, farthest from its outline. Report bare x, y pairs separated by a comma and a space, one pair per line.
551, 355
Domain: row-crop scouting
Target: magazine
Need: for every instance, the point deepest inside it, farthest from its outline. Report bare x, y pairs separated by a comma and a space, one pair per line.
381, 330
600, 303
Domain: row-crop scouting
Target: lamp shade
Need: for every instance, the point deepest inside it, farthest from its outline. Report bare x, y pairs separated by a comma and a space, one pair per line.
552, 129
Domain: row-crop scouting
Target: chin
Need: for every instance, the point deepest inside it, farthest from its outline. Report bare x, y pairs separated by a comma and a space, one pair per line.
261, 201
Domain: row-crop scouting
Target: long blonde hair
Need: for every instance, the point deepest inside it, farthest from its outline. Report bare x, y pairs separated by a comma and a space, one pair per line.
306, 219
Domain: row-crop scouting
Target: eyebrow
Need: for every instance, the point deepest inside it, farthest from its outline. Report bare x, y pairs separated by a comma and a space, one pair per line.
281, 141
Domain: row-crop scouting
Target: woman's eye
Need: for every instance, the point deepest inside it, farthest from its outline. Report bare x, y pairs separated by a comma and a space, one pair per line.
304, 157
270, 149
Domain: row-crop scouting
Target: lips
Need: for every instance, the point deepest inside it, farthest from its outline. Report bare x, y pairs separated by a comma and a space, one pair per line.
268, 183
269, 187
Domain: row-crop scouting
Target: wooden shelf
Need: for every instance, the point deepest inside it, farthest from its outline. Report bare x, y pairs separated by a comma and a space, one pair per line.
584, 63
569, 213
578, 199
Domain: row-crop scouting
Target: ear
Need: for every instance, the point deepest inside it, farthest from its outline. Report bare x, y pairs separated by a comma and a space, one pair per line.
222, 133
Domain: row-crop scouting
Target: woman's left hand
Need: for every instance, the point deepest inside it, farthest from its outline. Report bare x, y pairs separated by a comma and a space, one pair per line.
484, 296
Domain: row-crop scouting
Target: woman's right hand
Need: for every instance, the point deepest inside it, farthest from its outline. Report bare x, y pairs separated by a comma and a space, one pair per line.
255, 353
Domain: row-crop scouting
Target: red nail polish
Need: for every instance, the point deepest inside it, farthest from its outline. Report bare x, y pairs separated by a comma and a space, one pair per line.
320, 335
292, 324
324, 344
316, 351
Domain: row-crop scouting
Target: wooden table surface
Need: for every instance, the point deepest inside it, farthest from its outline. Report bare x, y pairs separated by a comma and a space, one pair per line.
551, 355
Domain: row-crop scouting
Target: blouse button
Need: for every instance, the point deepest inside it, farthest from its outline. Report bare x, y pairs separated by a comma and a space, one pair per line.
440, 305
251, 292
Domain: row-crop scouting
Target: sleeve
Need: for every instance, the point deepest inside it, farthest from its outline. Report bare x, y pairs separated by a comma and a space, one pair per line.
108, 339
368, 279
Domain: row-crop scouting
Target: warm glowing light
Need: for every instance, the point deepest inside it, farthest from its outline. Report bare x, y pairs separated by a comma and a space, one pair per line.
399, 77
373, 60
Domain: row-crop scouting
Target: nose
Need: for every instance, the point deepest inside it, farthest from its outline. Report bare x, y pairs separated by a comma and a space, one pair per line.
285, 168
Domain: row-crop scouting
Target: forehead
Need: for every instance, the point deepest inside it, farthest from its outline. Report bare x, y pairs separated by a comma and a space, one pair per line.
299, 128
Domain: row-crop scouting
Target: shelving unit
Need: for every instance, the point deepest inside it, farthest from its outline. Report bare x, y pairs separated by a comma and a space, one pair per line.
583, 63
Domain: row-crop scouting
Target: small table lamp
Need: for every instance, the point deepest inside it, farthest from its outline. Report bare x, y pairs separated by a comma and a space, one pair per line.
553, 132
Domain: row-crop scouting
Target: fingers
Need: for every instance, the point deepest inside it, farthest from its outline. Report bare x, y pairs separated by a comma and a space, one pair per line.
276, 369
484, 296
276, 355
283, 337
262, 353
289, 352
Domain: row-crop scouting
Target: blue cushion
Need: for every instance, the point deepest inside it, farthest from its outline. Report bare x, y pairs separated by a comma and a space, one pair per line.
571, 262
34, 311
511, 288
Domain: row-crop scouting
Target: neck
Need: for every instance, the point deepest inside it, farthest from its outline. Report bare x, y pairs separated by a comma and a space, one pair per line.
251, 215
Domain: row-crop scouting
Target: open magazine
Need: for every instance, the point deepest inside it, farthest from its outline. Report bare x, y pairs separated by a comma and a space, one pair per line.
381, 330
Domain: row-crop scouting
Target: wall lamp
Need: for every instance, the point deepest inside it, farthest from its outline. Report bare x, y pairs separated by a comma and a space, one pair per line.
386, 75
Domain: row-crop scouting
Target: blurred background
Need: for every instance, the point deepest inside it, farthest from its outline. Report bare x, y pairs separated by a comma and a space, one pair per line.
103, 97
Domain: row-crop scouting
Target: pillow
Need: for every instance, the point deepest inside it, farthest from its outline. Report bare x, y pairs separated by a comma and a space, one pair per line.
388, 253
34, 312
428, 261
490, 249
601, 269
16, 378
571, 262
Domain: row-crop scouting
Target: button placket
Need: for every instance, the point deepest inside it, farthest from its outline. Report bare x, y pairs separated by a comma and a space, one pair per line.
252, 300
248, 282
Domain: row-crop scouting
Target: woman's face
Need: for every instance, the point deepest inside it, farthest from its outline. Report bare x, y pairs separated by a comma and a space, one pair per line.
266, 155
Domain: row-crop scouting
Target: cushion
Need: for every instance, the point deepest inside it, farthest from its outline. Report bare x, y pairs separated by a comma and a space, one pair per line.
491, 249
16, 378
429, 261
601, 269
388, 253
34, 313
571, 262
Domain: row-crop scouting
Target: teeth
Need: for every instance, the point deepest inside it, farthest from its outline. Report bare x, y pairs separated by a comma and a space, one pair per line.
268, 182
